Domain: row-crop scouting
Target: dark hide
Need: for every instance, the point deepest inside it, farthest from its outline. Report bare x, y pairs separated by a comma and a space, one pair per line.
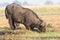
18, 14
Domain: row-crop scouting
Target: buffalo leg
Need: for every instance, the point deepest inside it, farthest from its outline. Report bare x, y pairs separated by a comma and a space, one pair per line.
32, 27
27, 26
11, 22
16, 24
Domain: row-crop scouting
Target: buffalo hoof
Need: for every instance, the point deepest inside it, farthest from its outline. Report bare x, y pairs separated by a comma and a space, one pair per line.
13, 28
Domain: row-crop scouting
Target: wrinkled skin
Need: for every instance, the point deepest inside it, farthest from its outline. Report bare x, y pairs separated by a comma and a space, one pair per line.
18, 14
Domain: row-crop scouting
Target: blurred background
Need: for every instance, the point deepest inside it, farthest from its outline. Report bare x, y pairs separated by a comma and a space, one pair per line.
3, 3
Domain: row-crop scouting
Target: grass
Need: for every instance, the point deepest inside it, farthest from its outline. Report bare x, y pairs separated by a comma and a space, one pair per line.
50, 15
28, 33
8, 34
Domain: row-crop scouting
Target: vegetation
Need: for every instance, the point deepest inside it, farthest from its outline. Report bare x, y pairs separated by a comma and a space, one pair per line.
48, 14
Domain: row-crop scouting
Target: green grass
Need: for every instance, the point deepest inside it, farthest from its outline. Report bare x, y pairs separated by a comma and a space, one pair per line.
30, 33
8, 34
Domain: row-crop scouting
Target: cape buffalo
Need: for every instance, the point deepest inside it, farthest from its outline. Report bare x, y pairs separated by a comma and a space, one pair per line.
18, 14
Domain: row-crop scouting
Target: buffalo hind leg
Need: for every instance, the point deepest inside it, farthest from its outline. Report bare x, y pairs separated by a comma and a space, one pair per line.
11, 22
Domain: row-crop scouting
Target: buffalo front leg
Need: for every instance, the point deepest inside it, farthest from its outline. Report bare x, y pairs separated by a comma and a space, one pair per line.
11, 22
27, 26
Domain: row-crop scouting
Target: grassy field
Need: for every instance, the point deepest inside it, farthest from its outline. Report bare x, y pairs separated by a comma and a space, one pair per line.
47, 13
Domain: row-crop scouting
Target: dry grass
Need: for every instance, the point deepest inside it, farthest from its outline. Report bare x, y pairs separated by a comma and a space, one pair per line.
54, 20
47, 13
